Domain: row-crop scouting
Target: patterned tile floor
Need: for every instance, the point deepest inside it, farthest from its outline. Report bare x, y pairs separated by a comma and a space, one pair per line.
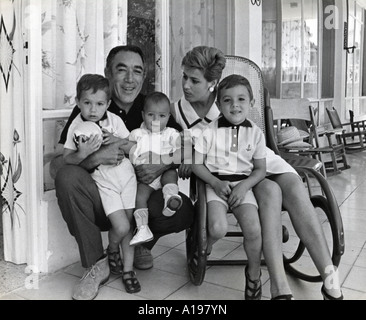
169, 280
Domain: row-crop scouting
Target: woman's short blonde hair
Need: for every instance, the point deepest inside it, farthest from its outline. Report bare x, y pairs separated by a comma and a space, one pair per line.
211, 61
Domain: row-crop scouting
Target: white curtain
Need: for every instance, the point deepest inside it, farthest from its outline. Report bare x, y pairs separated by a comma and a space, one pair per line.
12, 139
76, 38
194, 23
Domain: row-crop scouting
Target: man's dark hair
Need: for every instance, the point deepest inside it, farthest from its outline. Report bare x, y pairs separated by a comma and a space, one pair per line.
95, 82
127, 48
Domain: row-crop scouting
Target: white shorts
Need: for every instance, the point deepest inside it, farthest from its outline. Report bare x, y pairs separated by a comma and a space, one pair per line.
212, 196
117, 186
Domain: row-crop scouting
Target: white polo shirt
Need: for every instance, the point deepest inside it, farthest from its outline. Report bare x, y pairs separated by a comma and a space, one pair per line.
231, 149
110, 122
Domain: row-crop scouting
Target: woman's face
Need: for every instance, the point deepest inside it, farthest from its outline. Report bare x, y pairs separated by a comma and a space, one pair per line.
195, 87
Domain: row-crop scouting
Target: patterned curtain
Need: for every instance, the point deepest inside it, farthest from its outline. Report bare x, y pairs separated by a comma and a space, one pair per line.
12, 151
76, 38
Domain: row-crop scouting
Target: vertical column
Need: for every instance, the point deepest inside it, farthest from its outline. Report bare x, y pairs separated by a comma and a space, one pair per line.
248, 30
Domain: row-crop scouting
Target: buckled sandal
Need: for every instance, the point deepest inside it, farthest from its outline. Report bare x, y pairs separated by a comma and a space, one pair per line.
284, 297
253, 292
327, 296
132, 285
115, 262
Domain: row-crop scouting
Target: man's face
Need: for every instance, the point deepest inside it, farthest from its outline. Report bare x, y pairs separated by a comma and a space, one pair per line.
126, 75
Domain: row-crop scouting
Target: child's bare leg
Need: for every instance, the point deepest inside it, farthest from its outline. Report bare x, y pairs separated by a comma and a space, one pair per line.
217, 223
143, 194
172, 199
120, 228
248, 218
128, 251
129, 278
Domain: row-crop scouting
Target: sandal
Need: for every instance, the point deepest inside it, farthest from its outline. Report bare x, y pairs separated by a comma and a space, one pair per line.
131, 283
327, 296
284, 297
115, 262
254, 292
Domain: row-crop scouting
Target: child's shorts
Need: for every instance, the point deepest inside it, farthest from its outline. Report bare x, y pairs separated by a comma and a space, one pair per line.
212, 196
117, 186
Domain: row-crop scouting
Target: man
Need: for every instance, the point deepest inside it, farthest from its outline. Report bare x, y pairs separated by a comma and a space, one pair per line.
78, 196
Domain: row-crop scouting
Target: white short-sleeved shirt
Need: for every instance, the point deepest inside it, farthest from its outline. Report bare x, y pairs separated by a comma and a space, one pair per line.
110, 122
161, 143
231, 149
188, 119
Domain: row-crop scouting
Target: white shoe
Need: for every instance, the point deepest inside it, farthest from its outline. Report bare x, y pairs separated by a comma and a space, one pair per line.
142, 235
173, 204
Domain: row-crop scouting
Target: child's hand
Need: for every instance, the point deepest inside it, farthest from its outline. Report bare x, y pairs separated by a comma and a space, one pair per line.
90, 145
223, 189
237, 195
108, 137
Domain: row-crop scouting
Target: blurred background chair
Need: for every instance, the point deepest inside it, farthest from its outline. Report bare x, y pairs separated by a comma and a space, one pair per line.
351, 134
324, 147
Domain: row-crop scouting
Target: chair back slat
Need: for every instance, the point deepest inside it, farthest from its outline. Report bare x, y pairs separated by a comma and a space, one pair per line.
334, 118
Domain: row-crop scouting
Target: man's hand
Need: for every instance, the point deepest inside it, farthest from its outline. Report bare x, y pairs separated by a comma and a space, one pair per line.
110, 154
147, 173
185, 171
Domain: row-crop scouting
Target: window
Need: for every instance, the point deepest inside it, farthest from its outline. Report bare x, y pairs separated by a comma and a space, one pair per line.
299, 49
355, 70
294, 46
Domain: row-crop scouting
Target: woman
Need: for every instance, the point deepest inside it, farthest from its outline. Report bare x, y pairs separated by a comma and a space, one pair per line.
202, 70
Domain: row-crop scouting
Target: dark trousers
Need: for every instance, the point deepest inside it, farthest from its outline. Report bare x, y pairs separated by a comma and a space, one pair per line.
82, 210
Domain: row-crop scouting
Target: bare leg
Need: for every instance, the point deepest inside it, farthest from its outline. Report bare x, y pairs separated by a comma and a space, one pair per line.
247, 216
128, 251
143, 194
307, 226
269, 198
120, 228
217, 223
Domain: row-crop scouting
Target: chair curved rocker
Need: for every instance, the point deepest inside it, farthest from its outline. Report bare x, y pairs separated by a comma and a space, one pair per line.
308, 168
